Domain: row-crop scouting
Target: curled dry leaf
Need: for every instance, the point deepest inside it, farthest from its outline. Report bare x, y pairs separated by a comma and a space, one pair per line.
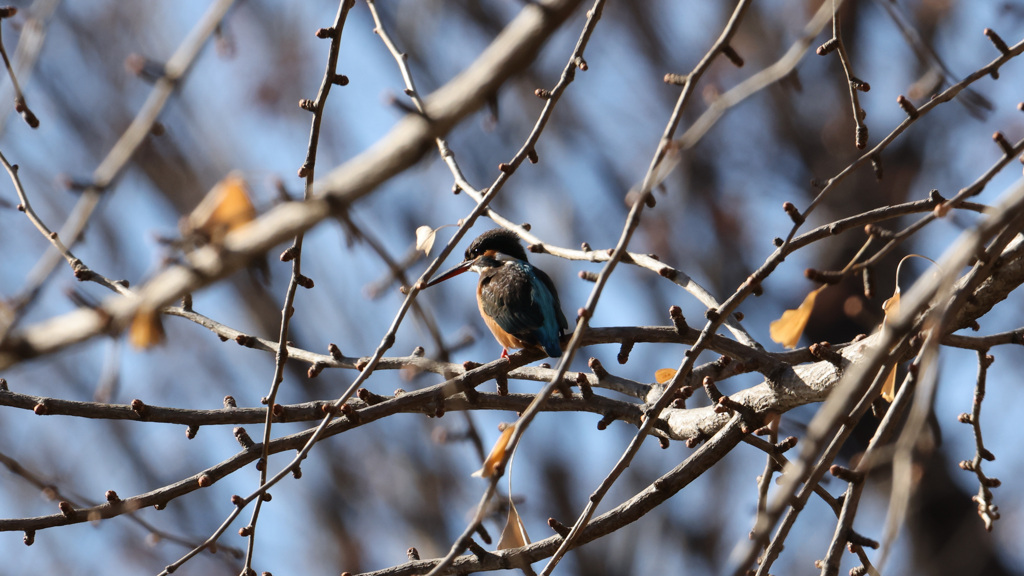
146, 329
497, 453
663, 375
790, 326
226, 207
425, 239
891, 307
514, 535
889, 388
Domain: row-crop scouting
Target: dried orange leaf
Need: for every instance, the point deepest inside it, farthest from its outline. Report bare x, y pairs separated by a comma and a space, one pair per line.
514, 535
663, 375
889, 388
790, 326
497, 453
891, 307
146, 330
425, 239
226, 207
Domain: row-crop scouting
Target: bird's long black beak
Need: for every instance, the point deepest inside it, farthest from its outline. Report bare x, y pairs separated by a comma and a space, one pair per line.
462, 267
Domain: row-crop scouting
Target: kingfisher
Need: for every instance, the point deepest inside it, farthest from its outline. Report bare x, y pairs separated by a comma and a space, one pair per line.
517, 300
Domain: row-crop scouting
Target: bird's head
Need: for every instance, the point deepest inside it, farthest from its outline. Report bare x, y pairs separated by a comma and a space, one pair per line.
490, 250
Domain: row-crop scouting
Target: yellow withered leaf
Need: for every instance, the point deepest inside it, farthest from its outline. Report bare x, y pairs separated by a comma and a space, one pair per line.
497, 453
663, 375
891, 307
790, 326
514, 535
226, 207
889, 388
146, 329
425, 239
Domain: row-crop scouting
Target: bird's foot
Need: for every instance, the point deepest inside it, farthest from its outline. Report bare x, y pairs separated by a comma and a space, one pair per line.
504, 353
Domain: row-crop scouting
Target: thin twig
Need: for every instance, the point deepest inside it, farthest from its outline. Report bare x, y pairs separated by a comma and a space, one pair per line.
870, 460
425, 401
549, 17
651, 178
123, 150
37, 276
652, 496
296, 278
974, 102
982, 343
853, 84
20, 104
30, 44
53, 493
864, 377
987, 511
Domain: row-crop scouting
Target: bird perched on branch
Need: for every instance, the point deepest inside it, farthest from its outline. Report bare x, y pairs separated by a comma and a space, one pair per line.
517, 300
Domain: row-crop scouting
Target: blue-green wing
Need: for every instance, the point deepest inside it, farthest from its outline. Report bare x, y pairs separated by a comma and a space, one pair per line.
524, 304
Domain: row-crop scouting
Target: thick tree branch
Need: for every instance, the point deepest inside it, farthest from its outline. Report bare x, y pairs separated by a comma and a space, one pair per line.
405, 144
